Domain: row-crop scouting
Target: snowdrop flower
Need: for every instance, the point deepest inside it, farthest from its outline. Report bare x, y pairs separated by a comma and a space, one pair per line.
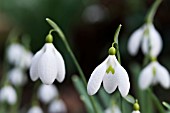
136, 107
113, 109
16, 50
47, 93
152, 74
146, 36
48, 64
8, 94
136, 112
19, 56
35, 109
57, 106
17, 77
112, 74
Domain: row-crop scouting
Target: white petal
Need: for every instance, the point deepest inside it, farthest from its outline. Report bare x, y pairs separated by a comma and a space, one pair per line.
146, 77
96, 78
123, 80
35, 109
162, 75
47, 66
135, 40
47, 93
34, 65
154, 39
57, 106
113, 109
110, 82
136, 112
61, 67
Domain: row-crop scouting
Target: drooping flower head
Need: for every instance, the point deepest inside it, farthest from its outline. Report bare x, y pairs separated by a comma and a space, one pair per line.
148, 38
112, 74
152, 74
57, 106
8, 95
48, 64
136, 107
113, 109
47, 93
35, 109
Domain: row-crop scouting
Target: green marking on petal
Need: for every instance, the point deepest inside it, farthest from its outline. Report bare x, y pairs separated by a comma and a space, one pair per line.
110, 69
154, 71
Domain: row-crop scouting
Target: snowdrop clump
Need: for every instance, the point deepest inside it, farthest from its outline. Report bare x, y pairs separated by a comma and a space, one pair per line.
17, 77
47, 93
35, 109
48, 64
8, 95
154, 73
19, 56
112, 74
148, 38
57, 106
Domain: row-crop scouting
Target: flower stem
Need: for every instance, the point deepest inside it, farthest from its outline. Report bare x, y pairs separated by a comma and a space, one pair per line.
156, 101
152, 11
62, 36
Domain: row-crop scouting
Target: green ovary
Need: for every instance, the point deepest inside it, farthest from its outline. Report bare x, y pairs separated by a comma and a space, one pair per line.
110, 69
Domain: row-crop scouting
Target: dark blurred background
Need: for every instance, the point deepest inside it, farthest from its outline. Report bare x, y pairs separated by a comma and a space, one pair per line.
89, 26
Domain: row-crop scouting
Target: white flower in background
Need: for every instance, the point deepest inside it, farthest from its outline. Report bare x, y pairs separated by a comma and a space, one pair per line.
48, 65
35, 109
17, 77
19, 56
152, 74
113, 109
8, 94
14, 53
112, 74
47, 93
57, 106
95, 13
146, 36
136, 112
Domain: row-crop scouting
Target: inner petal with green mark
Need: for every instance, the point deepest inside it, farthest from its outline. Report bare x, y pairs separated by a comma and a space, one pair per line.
154, 71
110, 69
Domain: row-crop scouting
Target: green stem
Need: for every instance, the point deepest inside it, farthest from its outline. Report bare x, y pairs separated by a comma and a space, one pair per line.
62, 36
156, 101
152, 11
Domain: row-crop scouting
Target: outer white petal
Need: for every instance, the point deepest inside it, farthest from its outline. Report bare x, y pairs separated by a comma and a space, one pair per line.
34, 65
155, 41
110, 82
136, 112
135, 40
25, 61
47, 66
96, 78
47, 93
57, 106
123, 80
35, 109
162, 75
61, 67
17, 77
146, 77
114, 109
8, 94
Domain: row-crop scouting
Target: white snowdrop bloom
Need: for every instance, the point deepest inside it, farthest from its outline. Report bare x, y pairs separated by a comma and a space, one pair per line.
17, 77
14, 53
112, 74
113, 109
136, 112
47, 93
35, 109
8, 94
57, 106
152, 74
25, 61
48, 65
146, 36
